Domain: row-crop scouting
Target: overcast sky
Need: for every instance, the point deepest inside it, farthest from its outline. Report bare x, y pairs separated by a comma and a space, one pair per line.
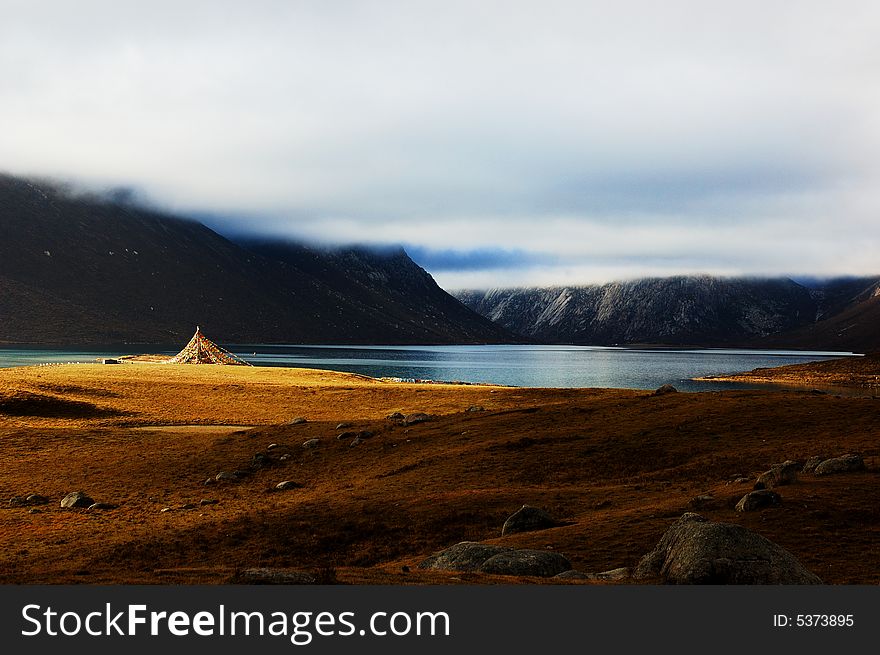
505, 143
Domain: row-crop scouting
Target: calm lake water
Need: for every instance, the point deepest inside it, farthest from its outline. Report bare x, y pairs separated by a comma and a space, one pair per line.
515, 365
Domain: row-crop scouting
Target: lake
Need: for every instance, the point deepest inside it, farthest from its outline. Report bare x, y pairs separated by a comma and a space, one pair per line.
515, 365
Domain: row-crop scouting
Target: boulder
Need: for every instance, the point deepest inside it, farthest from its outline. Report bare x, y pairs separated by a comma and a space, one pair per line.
76, 499
702, 501
465, 556
311, 443
528, 519
844, 464
573, 575
540, 563
665, 389
696, 551
416, 417
614, 575
778, 475
287, 484
758, 500
263, 575
812, 463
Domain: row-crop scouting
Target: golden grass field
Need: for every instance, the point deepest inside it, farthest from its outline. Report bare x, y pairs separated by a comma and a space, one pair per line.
618, 466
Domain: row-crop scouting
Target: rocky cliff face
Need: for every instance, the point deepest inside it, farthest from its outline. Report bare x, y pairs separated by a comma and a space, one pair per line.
701, 310
76, 269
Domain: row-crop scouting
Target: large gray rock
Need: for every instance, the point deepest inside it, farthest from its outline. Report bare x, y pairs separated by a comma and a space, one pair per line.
528, 519
465, 556
76, 499
812, 463
696, 551
758, 500
541, 563
844, 464
779, 475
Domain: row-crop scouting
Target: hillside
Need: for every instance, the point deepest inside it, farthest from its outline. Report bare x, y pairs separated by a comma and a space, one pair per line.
703, 310
616, 467
79, 269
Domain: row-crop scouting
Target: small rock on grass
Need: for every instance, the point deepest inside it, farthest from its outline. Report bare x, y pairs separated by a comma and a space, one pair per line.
415, 417
812, 463
76, 499
287, 484
311, 443
541, 563
665, 389
778, 475
758, 500
343, 425
299, 420
225, 476
263, 575
102, 506
528, 519
844, 464
573, 575
208, 501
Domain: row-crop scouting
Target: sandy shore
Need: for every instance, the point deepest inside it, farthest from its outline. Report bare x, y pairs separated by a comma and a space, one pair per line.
617, 466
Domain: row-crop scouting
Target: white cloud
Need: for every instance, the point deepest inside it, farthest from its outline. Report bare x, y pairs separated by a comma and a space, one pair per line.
623, 138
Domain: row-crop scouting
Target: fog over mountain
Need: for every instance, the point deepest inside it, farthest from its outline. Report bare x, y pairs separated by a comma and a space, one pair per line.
509, 143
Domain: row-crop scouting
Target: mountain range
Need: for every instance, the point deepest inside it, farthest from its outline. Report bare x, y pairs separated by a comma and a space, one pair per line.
76, 268
80, 268
840, 314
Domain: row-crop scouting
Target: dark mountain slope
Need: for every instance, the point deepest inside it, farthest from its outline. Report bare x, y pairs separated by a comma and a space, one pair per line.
82, 269
677, 310
852, 325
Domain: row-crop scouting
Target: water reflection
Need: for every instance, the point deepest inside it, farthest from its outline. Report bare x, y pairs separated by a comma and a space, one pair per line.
515, 365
